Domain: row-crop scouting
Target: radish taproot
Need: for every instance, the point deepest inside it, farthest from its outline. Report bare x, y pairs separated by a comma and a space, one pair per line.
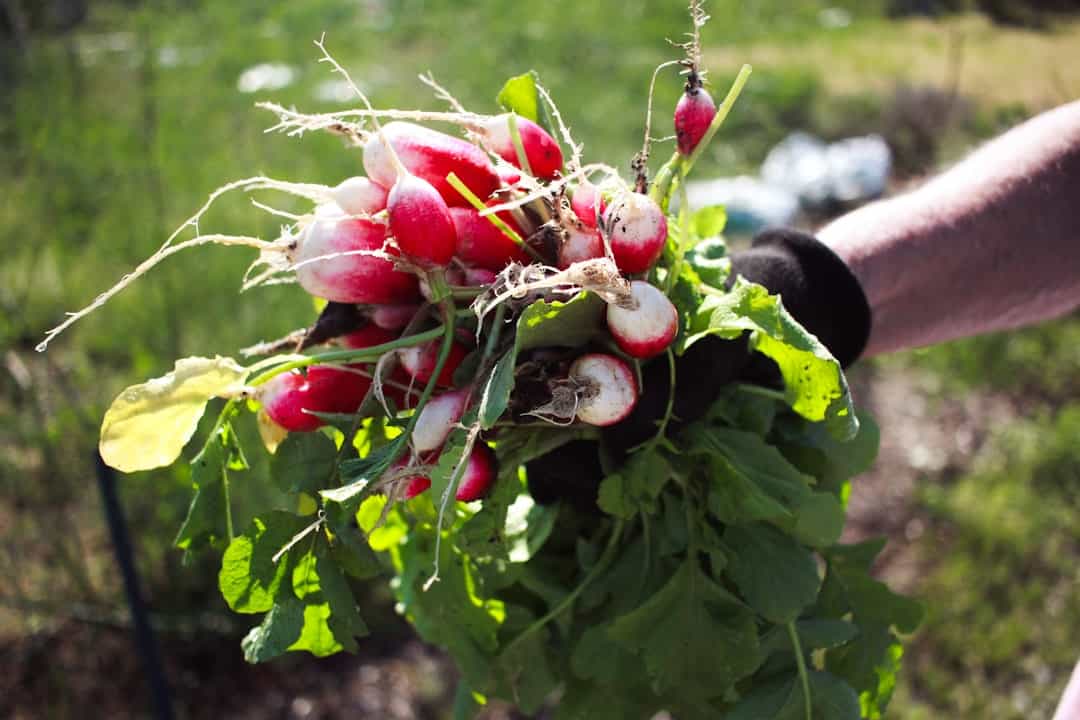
637, 230
542, 152
482, 244
337, 258
645, 325
359, 196
431, 155
607, 389
437, 419
419, 361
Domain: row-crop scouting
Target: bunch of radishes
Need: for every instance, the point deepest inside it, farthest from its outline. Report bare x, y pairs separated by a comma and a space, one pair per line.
440, 211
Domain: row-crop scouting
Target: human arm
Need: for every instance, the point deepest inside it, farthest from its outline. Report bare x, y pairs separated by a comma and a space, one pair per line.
992, 244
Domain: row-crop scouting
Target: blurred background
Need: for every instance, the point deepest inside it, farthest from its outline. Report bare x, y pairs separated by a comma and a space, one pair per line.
117, 118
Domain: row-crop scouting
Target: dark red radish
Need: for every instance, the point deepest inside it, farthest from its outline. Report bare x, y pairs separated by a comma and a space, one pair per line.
431, 155
637, 230
359, 196
588, 203
479, 475
356, 278
693, 114
482, 244
647, 325
338, 389
368, 336
393, 317
420, 221
579, 244
608, 389
541, 150
420, 361
437, 419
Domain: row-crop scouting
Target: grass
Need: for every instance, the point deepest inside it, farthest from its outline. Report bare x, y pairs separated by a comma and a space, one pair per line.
114, 135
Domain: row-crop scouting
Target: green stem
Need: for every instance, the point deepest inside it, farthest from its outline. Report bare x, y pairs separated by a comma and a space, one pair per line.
339, 356
718, 119
494, 219
762, 391
800, 661
599, 567
496, 330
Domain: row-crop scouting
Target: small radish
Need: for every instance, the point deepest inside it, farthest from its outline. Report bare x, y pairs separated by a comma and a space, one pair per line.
693, 115
420, 221
368, 336
580, 243
476, 480
638, 230
587, 203
608, 389
420, 360
478, 277
482, 244
357, 278
286, 398
431, 155
393, 317
543, 153
437, 419
648, 327
359, 196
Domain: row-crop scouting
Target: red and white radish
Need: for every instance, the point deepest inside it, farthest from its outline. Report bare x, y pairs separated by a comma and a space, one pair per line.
646, 324
368, 336
420, 221
637, 230
359, 196
509, 176
393, 317
479, 475
420, 361
693, 114
478, 277
607, 389
324, 271
580, 243
289, 398
431, 155
541, 150
437, 419
588, 203
482, 244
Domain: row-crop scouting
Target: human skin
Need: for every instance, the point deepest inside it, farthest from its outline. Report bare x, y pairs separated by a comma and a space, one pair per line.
991, 244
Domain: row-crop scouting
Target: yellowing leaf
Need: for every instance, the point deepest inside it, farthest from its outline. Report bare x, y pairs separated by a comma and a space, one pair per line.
148, 425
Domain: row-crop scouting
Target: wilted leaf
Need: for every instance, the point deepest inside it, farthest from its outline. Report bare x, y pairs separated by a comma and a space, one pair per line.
148, 425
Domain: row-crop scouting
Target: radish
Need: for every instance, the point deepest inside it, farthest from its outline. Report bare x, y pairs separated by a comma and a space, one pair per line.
437, 419
357, 278
359, 196
508, 175
420, 221
419, 361
580, 243
647, 326
542, 152
477, 479
608, 389
288, 396
637, 229
478, 277
482, 244
431, 155
587, 203
368, 336
393, 317
693, 115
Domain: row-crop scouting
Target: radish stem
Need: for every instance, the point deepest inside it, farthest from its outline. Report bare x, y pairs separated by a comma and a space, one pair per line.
800, 661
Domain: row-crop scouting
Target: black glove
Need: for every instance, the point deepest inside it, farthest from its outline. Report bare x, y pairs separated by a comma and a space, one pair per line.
819, 291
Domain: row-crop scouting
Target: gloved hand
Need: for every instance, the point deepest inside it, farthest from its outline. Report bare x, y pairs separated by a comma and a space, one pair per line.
819, 291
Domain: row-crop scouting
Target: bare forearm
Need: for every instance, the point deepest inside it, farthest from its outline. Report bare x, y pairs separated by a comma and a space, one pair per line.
994, 243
